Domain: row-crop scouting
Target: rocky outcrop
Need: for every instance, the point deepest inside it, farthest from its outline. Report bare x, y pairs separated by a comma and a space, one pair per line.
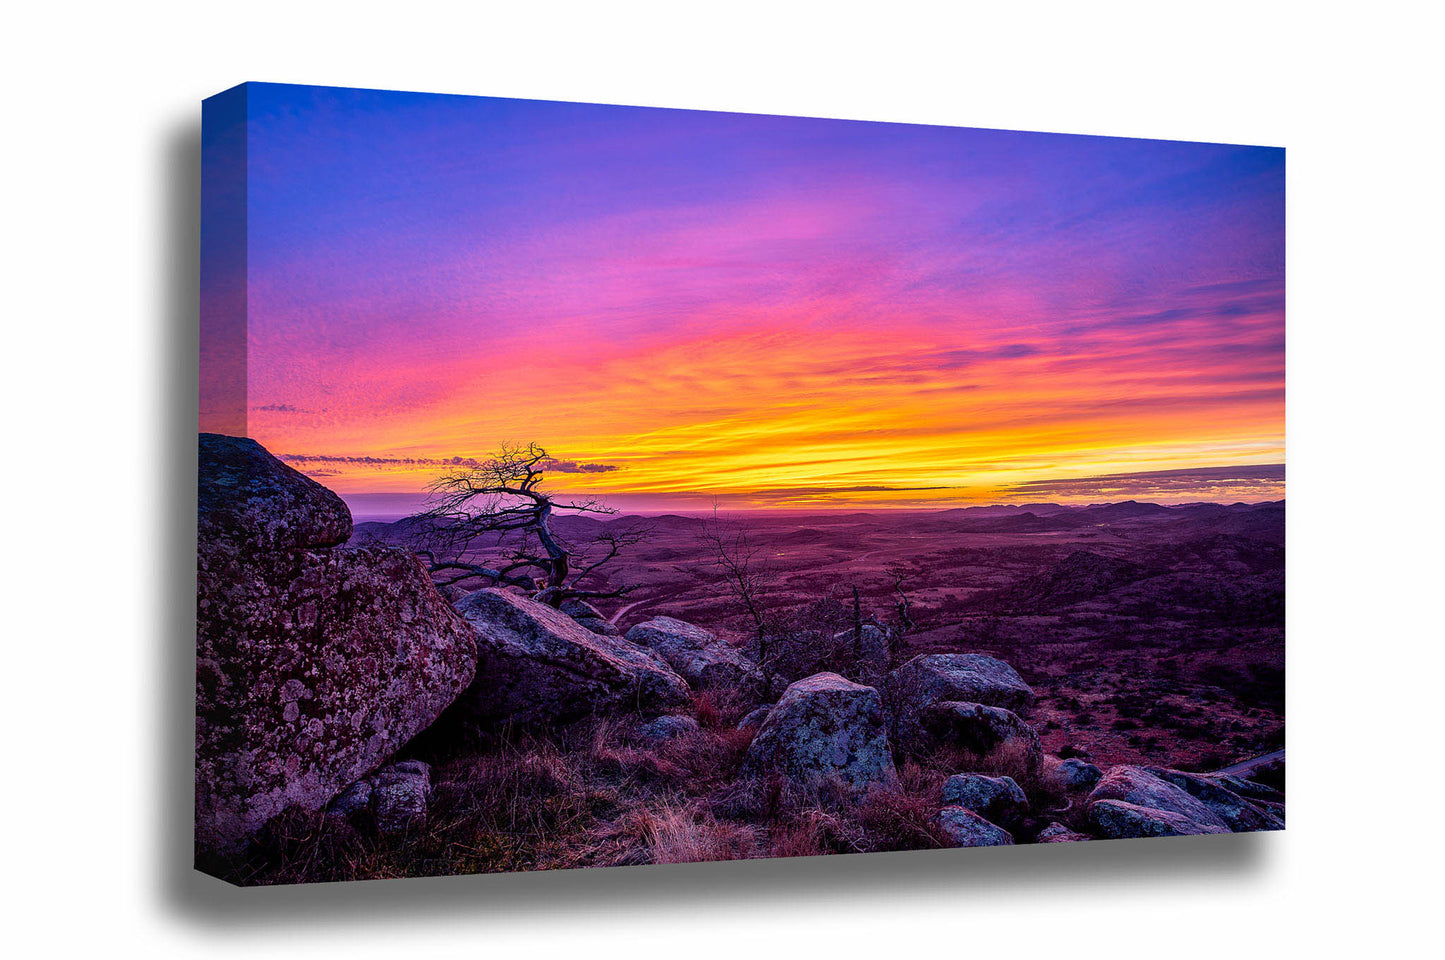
998, 799
702, 659
1238, 813
989, 733
824, 727
962, 677
1120, 820
964, 828
1132, 802
314, 663
535, 665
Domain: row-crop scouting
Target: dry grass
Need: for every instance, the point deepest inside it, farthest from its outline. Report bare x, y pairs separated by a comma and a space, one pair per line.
677, 831
601, 795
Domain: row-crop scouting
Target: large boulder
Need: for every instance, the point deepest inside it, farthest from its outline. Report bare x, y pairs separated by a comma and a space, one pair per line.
992, 734
999, 799
249, 498
535, 665
1143, 795
963, 677
702, 659
314, 663
824, 727
965, 828
1240, 814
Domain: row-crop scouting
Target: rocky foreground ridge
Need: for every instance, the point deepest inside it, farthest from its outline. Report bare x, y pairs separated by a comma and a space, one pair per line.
318, 664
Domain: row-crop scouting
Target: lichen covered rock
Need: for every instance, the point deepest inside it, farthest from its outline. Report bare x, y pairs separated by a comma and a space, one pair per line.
755, 718
399, 796
314, 663
951, 677
393, 799
824, 728
1075, 774
1151, 807
702, 659
998, 799
248, 497
965, 828
1238, 813
535, 665
1120, 820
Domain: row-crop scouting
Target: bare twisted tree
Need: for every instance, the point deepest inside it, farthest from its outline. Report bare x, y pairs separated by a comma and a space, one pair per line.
492, 524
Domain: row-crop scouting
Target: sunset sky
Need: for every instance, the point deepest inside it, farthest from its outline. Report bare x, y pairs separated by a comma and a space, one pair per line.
778, 312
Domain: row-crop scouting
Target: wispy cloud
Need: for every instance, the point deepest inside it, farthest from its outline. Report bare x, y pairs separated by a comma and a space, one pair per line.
466, 463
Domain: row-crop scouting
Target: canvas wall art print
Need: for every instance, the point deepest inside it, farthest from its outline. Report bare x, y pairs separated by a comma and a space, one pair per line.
598, 486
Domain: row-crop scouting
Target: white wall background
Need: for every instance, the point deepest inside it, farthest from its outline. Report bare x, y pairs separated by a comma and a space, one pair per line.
100, 121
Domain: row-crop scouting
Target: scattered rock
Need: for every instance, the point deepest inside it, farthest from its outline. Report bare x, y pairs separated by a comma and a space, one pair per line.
314, 663
971, 677
998, 799
1075, 774
991, 733
702, 659
1058, 833
394, 799
399, 795
967, 829
535, 665
963, 677
1119, 820
825, 727
1141, 790
668, 727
